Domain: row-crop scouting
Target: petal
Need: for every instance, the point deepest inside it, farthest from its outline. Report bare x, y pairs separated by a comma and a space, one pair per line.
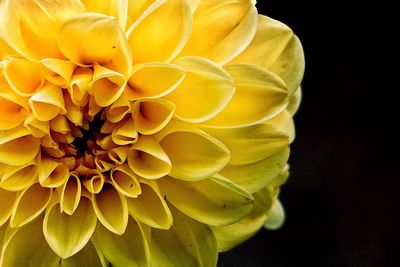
7, 202
125, 133
12, 111
139, 9
194, 154
31, 27
95, 38
70, 194
224, 40
205, 92
57, 71
260, 95
276, 48
47, 102
60, 125
117, 111
125, 181
5, 49
18, 178
52, 173
143, 84
152, 115
94, 182
19, 151
111, 209
128, 249
213, 201
78, 85
188, 243
150, 207
294, 101
30, 204
283, 123
147, 158
276, 216
117, 9
119, 154
87, 257
36, 127
68, 234
150, 41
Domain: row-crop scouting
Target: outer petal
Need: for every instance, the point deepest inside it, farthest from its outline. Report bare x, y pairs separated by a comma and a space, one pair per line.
218, 41
13, 110
47, 102
6, 205
260, 95
31, 27
19, 151
213, 201
150, 41
125, 181
188, 244
68, 234
205, 91
18, 178
128, 249
117, 9
276, 48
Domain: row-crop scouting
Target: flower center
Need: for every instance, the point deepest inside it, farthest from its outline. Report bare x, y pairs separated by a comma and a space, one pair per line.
89, 137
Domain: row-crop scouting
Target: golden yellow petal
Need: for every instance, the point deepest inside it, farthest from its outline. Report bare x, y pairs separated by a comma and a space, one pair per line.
57, 71
73, 112
119, 154
139, 9
117, 111
47, 102
125, 133
125, 181
71, 194
19, 151
18, 178
117, 9
36, 127
52, 173
12, 113
6, 206
79, 85
94, 182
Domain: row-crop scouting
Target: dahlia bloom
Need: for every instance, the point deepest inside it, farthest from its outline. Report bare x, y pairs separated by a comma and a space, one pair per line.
141, 132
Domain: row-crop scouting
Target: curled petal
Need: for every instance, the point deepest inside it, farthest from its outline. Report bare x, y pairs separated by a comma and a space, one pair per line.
133, 249
94, 182
68, 234
79, 85
276, 48
262, 92
205, 91
47, 102
147, 158
119, 154
117, 9
52, 173
18, 178
152, 42
143, 85
213, 201
70, 194
194, 154
73, 111
125, 181
111, 209
7, 202
150, 207
60, 125
30, 204
36, 127
229, 38
125, 133
152, 115
57, 71
117, 111
31, 27
12, 111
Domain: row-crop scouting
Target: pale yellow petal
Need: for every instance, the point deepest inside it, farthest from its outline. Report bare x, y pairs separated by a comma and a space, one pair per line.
7, 202
150, 41
283, 123
68, 234
6, 50
276, 48
111, 209
125, 181
127, 249
213, 201
139, 9
276, 216
205, 91
148, 159
117, 9
260, 95
150, 207
70, 194
18, 178
30, 204
155, 79
47, 102
31, 27
222, 29
294, 101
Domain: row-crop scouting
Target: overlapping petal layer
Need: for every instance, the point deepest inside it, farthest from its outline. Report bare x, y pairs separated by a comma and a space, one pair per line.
141, 133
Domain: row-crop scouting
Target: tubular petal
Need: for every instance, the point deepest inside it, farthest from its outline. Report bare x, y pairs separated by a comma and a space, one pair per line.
70, 194
57, 71
30, 204
150, 207
125, 181
52, 173
205, 91
229, 38
47, 102
150, 42
262, 93
188, 243
276, 48
132, 246
68, 234
111, 209
125, 133
36, 127
142, 83
12, 113
117, 111
213, 201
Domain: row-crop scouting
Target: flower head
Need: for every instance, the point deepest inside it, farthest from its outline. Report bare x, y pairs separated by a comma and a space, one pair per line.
138, 133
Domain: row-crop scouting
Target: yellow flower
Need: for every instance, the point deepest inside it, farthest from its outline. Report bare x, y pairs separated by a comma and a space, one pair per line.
141, 132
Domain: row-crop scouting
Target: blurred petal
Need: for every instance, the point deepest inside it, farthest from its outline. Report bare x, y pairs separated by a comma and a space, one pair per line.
150, 207
260, 95
30, 204
111, 209
213, 201
276, 48
31, 27
276, 216
188, 243
68, 234
294, 101
87, 257
127, 249
7, 202
117, 9
150, 41
227, 39
205, 91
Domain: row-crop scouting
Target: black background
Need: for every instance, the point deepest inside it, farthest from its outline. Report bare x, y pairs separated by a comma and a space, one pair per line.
341, 199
